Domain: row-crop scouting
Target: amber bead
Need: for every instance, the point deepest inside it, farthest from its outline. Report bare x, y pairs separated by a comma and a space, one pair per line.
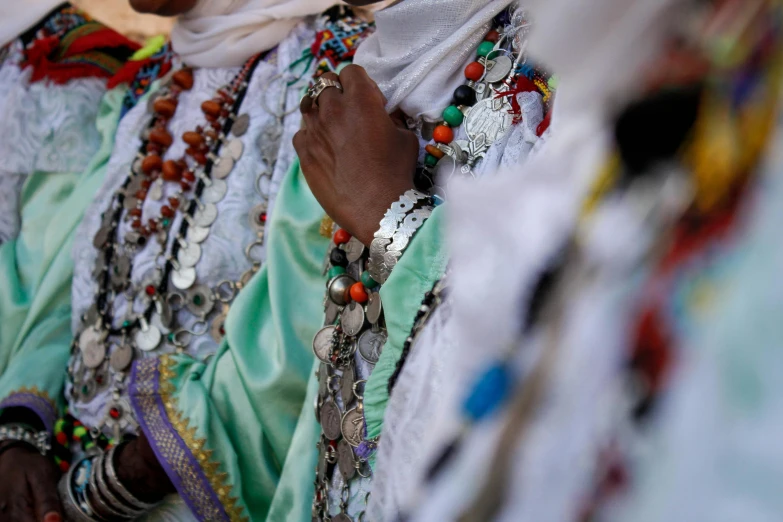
200, 157
432, 150
141, 194
194, 139
146, 184
171, 171
189, 176
185, 185
136, 212
153, 148
183, 79
161, 136
474, 71
211, 108
166, 211
341, 237
151, 163
359, 293
174, 202
152, 225
165, 107
211, 134
136, 224
443, 134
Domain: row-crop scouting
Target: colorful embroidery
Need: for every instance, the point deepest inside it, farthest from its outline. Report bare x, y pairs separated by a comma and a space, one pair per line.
338, 41
181, 452
35, 400
141, 74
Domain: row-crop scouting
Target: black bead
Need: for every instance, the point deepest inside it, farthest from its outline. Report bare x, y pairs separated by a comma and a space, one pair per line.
338, 258
422, 180
464, 95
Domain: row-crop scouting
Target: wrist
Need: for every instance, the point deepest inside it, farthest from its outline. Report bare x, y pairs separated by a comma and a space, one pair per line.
141, 473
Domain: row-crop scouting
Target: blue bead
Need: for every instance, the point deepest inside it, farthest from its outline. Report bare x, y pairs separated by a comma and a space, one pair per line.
488, 393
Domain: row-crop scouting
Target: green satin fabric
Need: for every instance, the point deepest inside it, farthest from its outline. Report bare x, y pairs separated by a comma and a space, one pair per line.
423, 263
36, 269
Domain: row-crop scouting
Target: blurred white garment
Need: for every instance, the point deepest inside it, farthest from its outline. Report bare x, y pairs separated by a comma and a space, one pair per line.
17, 17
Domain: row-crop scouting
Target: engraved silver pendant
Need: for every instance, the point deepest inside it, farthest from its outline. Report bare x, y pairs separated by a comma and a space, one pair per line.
352, 319
331, 311
189, 255
241, 124
121, 357
223, 167
352, 427
322, 344
353, 250
205, 215
330, 420
101, 237
498, 69
371, 345
485, 123
235, 148
374, 307
215, 192
148, 339
183, 278
346, 386
93, 353
346, 460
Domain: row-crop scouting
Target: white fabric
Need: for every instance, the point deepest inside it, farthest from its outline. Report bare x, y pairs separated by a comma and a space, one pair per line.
225, 33
18, 16
223, 252
421, 48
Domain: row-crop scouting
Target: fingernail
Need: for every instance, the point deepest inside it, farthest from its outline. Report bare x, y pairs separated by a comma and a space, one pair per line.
52, 517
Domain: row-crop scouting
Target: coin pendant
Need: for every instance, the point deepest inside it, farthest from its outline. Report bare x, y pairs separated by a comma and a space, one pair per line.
342, 517
205, 215
323, 381
322, 344
371, 345
223, 167
101, 237
183, 278
199, 300
121, 357
241, 124
235, 148
197, 234
352, 426
215, 192
345, 460
93, 354
323, 466
352, 319
90, 336
330, 420
189, 255
488, 121
148, 339
374, 307
346, 386
353, 250
330, 312
499, 69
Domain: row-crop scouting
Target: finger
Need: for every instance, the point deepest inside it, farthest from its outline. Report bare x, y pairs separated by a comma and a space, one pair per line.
306, 104
399, 119
354, 78
300, 143
22, 507
330, 95
45, 497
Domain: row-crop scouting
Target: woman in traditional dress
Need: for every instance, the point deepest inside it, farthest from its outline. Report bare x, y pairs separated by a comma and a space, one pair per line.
175, 232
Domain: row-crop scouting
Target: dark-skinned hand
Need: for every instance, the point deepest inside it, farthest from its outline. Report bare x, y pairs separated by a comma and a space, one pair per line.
356, 158
28, 488
140, 472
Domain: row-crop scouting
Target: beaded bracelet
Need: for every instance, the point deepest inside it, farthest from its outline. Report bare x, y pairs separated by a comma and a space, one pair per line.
40, 440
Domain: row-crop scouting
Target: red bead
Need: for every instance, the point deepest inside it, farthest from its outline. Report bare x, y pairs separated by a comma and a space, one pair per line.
341, 237
189, 176
443, 134
194, 139
183, 79
136, 224
211, 108
474, 71
174, 202
185, 185
141, 194
151, 163
166, 211
114, 413
492, 36
136, 212
152, 225
161, 136
153, 148
358, 293
64, 466
262, 218
432, 150
171, 171
200, 158
146, 184
62, 439
150, 290
166, 107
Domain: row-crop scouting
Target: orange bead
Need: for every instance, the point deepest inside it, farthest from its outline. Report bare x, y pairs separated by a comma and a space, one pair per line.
358, 293
174, 202
211, 108
341, 237
474, 71
166, 211
171, 171
432, 150
189, 176
443, 134
151, 163
194, 139
161, 136
183, 79
166, 107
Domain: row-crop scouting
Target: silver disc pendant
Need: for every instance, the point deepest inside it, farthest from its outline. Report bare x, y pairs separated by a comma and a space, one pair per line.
148, 339
352, 319
90, 336
199, 300
223, 167
371, 345
235, 148
189, 255
241, 124
331, 311
374, 307
345, 460
100, 266
215, 192
486, 123
338, 289
93, 354
330, 420
353, 250
183, 278
121, 357
346, 386
499, 69
352, 427
101, 237
217, 330
257, 217
322, 344
197, 234
205, 215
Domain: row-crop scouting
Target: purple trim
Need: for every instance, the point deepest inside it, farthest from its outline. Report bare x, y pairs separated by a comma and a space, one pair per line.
175, 457
41, 406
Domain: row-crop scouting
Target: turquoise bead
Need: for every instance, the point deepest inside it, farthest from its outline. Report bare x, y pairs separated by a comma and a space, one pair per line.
489, 393
485, 48
367, 280
453, 116
430, 160
335, 271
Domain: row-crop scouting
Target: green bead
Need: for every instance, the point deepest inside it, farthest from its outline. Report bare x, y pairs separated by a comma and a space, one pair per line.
197, 300
80, 431
85, 389
367, 280
335, 271
166, 222
453, 116
171, 337
126, 324
430, 160
485, 48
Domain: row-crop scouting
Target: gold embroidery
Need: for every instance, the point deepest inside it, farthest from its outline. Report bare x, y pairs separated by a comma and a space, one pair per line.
327, 227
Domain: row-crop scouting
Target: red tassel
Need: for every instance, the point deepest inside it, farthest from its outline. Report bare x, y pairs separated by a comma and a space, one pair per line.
127, 73
104, 38
522, 84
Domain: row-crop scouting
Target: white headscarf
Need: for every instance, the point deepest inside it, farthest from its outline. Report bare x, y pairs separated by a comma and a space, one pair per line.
17, 17
225, 33
421, 47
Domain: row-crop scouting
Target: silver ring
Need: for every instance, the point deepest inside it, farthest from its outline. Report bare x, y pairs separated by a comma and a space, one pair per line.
320, 85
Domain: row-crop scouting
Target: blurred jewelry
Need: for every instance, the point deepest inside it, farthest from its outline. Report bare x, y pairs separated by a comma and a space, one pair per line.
320, 85
40, 440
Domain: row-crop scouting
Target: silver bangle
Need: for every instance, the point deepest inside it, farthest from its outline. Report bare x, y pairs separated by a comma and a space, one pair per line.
402, 237
71, 509
40, 440
103, 495
115, 484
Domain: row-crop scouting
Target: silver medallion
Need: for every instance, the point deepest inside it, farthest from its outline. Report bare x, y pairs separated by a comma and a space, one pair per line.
354, 270
199, 300
241, 124
346, 386
120, 273
352, 427
258, 217
215, 192
487, 122
330, 420
148, 339
100, 265
322, 344
346, 461
197, 234
101, 237
374, 307
331, 311
183, 278
205, 215
223, 167
217, 330
235, 148
93, 354
121, 357
352, 319
353, 250
91, 336
189, 254
339, 288
498, 69
371, 345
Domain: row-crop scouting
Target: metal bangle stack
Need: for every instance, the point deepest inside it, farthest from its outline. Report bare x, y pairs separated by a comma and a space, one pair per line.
40, 440
91, 491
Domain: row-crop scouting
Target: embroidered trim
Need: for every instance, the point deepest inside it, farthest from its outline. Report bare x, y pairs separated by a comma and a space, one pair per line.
197, 477
35, 400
